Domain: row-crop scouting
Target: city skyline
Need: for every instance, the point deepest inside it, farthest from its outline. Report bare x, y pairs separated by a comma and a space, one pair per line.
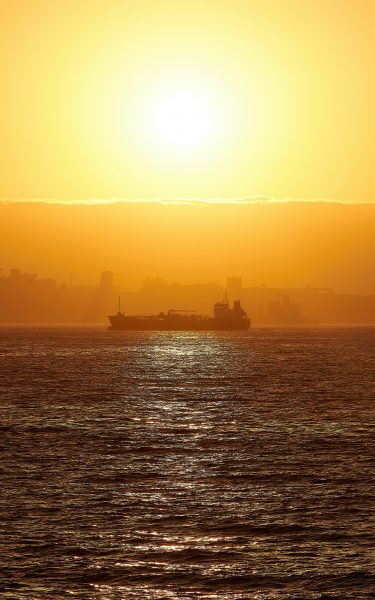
281, 244
25, 298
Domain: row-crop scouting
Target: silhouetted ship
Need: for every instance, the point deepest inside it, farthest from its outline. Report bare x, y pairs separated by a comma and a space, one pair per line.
224, 319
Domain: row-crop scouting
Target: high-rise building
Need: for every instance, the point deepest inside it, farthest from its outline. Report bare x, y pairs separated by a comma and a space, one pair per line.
234, 288
106, 280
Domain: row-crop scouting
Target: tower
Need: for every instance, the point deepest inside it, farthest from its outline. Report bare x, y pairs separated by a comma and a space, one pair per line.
234, 288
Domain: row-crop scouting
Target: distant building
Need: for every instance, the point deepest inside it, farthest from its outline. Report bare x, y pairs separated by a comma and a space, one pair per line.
103, 299
106, 280
234, 288
284, 312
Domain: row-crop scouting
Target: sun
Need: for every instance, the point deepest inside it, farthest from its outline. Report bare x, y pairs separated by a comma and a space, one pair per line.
177, 120
183, 119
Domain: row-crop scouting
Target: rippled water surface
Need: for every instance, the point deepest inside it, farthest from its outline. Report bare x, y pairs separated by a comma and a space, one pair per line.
187, 465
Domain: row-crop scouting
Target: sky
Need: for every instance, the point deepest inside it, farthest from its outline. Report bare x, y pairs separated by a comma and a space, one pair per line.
277, 98
278, 244
254, 120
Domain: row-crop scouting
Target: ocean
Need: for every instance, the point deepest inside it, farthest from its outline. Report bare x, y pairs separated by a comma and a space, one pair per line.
213, 466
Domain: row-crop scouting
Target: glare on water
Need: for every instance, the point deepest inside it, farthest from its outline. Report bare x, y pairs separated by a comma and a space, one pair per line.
187, 465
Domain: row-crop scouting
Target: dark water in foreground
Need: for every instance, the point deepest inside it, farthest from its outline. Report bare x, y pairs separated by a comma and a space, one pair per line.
187, 465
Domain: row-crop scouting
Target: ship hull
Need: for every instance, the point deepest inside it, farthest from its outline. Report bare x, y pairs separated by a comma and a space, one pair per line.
125, 323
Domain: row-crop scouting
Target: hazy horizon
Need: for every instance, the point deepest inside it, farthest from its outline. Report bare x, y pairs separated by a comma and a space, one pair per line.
291, 244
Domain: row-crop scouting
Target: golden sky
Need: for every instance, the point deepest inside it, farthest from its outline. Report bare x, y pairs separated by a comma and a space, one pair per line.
153, 98
203, 99
286, 244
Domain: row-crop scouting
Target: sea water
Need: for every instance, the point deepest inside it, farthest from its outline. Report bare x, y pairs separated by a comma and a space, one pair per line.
187, 465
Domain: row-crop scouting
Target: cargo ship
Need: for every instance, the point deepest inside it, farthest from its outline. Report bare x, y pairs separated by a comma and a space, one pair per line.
224, 319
